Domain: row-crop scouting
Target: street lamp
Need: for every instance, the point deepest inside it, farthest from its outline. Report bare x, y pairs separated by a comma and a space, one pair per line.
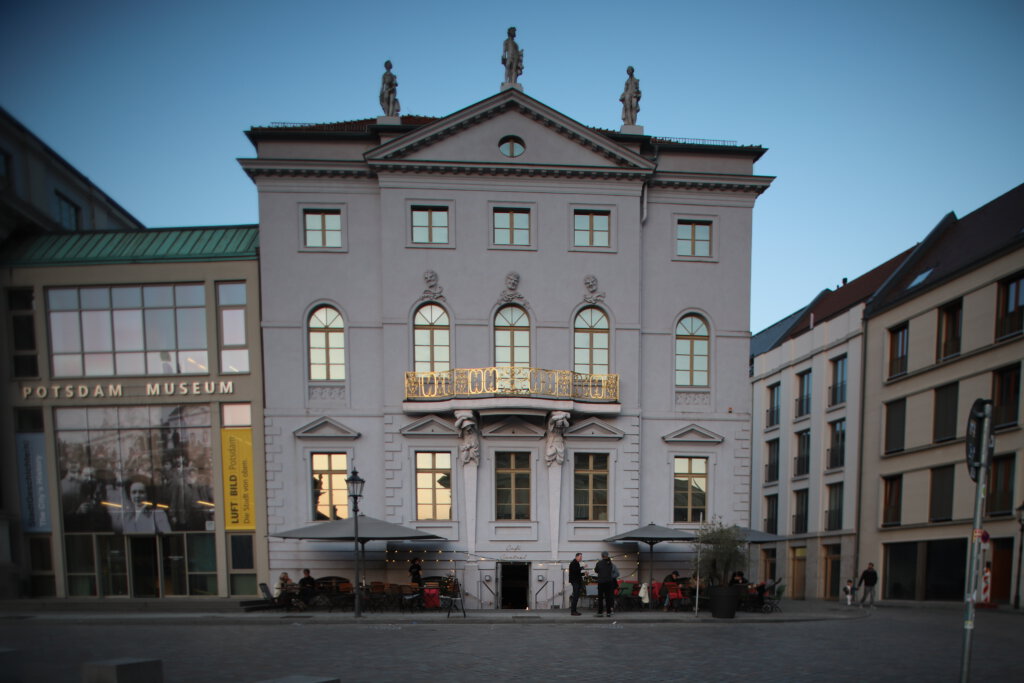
1020, 553
355, 492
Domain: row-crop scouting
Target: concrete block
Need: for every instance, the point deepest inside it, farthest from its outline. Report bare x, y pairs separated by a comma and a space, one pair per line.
123, 671
10, 666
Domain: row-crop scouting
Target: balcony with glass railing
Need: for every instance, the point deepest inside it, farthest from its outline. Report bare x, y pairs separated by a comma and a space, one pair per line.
511, 383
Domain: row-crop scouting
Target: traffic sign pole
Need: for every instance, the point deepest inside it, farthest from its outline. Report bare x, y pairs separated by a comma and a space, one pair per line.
982, 458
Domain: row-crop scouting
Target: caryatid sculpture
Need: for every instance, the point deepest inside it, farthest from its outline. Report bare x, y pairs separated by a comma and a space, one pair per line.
630, 98
389, 91
558, 422
469, 436
512, 58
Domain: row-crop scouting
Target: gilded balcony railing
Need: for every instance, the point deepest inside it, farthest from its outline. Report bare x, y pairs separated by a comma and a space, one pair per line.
499, 382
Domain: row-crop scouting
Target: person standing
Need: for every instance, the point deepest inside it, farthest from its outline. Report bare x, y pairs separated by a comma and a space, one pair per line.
307, 587
415, 572
576, 581
868, 579
607, 573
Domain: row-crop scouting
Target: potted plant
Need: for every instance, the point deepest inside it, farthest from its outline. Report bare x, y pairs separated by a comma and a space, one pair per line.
721, 552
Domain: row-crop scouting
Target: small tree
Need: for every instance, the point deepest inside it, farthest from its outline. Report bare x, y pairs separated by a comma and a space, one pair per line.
722, 552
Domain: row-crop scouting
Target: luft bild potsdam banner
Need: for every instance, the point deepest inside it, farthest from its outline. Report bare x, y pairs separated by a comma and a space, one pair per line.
35, 495
239, 503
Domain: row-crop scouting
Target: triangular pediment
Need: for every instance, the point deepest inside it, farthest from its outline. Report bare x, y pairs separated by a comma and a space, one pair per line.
693, 434
326, 428
467, 141
431, 425
515, 428
593, 428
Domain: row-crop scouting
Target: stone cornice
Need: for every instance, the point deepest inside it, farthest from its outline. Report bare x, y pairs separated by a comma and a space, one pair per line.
711, 182
304, 168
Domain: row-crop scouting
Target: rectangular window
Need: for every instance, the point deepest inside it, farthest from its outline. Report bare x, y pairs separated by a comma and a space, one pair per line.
803, 399
837, 444
234, 352
802, 462
1010, 311
892, 500
68, 213
590, 487
25, 360
322, 228
834, 513
591, 228
771, 465
774, 406
999, 500
950, 325
430, 225
800, 500
944, 425
433, 485
690, 486
330, 490
511, 227
693, 238
1005, 396
899, 348
895, 425
132, 330
940, 507
512, 485
771, 514
837, 392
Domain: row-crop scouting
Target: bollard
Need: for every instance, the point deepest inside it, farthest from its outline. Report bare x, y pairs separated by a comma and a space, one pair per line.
123, 671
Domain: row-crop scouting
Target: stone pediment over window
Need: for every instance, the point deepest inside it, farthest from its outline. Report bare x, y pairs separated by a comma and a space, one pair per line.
326, 428
514, 427
593, 428
468, 142
693, 434
431, 425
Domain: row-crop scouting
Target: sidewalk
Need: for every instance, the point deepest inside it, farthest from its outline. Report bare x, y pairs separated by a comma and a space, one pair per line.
226, 611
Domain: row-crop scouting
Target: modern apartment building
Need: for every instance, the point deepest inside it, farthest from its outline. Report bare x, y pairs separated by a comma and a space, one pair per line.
945, 330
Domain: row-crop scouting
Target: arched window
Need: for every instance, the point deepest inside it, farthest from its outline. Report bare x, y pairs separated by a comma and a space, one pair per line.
326, 345
591, 342
512, 338
431, 339
692, 352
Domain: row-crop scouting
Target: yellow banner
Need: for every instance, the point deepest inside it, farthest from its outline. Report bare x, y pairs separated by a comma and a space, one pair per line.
239, 500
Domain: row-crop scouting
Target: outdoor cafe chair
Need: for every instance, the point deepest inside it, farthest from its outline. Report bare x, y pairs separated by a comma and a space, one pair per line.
772, 597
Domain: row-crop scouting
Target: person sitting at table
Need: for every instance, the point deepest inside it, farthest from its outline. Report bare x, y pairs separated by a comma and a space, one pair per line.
307, 587
737, 579
281, 589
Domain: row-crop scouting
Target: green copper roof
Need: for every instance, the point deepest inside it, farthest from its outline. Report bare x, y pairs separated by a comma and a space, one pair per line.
226, 243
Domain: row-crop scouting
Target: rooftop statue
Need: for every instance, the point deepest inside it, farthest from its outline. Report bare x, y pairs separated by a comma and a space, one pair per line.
512, 58
389, 91
630, 98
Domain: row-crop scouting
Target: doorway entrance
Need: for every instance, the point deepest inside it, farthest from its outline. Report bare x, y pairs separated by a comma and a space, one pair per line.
515, 585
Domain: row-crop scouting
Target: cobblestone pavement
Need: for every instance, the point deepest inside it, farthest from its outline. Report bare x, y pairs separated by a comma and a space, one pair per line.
823, 643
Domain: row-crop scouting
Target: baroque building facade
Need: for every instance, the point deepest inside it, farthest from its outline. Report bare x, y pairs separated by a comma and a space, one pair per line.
526, 334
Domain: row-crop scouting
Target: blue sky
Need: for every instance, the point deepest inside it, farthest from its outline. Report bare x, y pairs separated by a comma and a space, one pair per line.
879, 117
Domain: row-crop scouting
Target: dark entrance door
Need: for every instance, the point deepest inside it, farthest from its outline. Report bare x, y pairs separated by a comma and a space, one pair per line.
515, 585
145, 567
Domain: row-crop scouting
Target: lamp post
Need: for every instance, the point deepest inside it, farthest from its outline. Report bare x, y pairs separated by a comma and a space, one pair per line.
355, 492
1020, 553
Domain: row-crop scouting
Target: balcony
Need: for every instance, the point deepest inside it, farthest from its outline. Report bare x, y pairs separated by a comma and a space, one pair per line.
836, 457
833, 519
801, 465
771, 525
477, 388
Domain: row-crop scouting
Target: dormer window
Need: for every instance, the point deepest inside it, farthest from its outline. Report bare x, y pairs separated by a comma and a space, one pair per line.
511, 146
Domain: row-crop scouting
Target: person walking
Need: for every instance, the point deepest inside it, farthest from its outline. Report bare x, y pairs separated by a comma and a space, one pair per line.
607, 573
868, 579
576, 581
